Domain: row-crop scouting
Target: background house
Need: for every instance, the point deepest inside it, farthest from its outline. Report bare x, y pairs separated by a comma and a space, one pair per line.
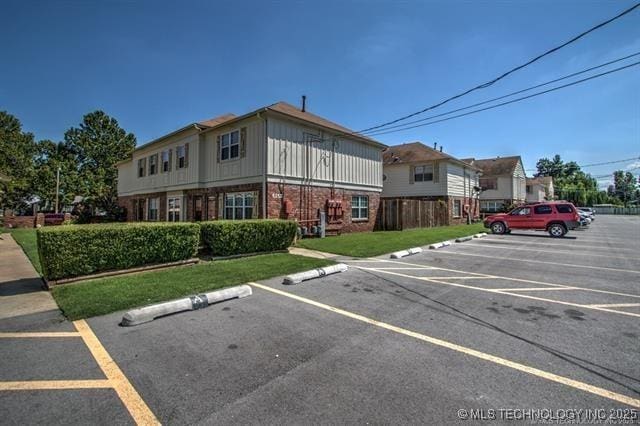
416, 171
275, 162
503, 182
539, 189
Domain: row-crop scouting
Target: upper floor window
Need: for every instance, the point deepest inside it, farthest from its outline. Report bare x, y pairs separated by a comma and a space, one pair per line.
359, 207
165, 158
488, 183
230, 145
153, 164
423, 174
529, 190
142, 167
182, 156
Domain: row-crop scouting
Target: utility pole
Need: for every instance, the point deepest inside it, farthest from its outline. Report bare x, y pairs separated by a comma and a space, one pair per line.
57, 187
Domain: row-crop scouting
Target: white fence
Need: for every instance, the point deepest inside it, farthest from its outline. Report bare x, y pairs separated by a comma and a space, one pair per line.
617, 210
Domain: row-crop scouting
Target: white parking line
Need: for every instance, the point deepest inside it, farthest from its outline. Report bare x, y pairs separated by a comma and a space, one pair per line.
522, 280
549, 244
570, 265
545, 250
537, 289
617, 305
497, 291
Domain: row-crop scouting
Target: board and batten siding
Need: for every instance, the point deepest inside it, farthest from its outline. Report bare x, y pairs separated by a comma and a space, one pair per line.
129, 183
460, 181
519, 183
244, 169
356, 163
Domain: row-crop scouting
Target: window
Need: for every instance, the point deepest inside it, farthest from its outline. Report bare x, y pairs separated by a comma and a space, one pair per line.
529, 189
360, 207
457, 208
542, 209
153, 164
182, 156
239, 205
165, 157
488, 183
491, 206
173, 209
230, 145
564, 208
522, 211
142, 169
152, 213
423, 174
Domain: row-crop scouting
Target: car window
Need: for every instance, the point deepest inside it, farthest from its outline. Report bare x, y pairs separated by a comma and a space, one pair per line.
522, 211
542, 209
564, 208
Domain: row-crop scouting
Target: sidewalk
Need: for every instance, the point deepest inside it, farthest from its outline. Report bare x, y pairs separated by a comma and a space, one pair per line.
20, 285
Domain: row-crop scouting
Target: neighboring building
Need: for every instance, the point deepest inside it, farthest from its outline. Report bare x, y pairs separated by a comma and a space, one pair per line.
416, 171
276, 162
503, 182
539, 189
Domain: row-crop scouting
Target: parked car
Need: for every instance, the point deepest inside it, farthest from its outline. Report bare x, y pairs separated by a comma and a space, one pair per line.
557, 218
589, 211
584, 217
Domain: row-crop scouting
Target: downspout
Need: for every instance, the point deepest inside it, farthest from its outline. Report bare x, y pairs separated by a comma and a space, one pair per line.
265, 214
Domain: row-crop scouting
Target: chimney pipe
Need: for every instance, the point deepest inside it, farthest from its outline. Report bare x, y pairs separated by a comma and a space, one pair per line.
435, 145
304, 103
440, 148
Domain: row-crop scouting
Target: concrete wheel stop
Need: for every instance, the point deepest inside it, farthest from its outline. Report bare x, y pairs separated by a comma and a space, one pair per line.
314, 273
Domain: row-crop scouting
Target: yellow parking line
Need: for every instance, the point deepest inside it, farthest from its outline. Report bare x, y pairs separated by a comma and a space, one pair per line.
54, 385
498, 291
521, 280
127, 393
39, 334
467, 351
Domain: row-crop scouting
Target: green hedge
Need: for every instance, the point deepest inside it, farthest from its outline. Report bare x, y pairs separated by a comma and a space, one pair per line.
74, 250
226, 237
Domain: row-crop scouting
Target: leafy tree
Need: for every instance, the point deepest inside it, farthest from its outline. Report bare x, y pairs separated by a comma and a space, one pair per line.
624, 185
570, 183
49, 157
98, 144
16, 162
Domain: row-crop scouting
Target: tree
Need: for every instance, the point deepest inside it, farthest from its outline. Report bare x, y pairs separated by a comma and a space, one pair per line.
98, 144
624, 185
49, 157
16, 162
570, 183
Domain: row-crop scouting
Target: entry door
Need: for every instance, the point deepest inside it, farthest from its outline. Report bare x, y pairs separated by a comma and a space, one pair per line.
197, 208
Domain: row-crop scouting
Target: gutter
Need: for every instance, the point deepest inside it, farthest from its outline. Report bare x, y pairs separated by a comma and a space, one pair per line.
265, 213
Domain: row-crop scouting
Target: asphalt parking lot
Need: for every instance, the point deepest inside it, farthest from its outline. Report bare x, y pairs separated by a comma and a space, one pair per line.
512, 322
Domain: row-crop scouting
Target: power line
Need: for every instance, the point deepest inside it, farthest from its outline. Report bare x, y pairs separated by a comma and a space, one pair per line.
505, 74
508, 95
384, 132
597, 164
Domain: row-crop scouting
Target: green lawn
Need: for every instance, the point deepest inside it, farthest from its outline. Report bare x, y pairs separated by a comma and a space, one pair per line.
102, 296
26, 238
364, 244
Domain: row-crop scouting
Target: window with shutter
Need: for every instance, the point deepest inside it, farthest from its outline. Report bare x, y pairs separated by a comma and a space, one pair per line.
229, 146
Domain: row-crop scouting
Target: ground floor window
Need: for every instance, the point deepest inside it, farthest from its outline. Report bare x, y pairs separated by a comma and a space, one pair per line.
239, 205
491, 206
152, 213
173, 209
457, 207
359, 207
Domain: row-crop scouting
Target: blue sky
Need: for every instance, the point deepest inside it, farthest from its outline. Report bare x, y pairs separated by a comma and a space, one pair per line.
156, 66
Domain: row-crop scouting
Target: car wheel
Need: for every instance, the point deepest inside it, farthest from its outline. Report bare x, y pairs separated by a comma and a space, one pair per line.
556, 230
498, 228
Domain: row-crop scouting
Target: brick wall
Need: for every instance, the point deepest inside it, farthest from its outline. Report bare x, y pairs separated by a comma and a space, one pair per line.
210, 197
129, 204
307, 202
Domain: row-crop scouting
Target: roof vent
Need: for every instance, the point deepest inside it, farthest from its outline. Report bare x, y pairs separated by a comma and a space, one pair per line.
304, 103
440, 148
435, 145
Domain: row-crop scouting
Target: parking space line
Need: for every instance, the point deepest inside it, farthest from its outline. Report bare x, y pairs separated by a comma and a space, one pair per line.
545, 250
38, 334
529, 243
604, 393
127, 393
55, 385
522, 280
571, 265
537, 289
616, 305
495, 291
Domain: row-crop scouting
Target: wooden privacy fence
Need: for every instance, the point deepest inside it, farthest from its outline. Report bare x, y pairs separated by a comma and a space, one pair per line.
399, 214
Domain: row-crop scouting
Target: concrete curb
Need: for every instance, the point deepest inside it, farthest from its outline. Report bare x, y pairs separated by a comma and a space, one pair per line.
440, 245
314, 273
407, 252
463, 239
192, 303
480, 235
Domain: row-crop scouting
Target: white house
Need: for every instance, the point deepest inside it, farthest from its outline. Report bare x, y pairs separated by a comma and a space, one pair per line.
503, 182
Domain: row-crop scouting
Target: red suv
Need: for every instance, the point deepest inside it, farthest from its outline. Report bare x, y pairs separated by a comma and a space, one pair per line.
554, 217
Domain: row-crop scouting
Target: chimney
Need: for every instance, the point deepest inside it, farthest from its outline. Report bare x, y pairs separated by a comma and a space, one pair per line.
440, 148
304, 103
435, 145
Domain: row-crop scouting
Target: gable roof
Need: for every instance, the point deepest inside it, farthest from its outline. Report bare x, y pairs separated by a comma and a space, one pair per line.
498, 166
542, 180
216, 121
415, 152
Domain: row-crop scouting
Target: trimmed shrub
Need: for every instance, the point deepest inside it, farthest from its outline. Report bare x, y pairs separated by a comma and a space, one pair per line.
227, 237
69, 251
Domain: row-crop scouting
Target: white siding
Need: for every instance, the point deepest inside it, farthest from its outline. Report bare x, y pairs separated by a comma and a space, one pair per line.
519, 183
352, 163
460, 181
398, 182
504, 191
129, 182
